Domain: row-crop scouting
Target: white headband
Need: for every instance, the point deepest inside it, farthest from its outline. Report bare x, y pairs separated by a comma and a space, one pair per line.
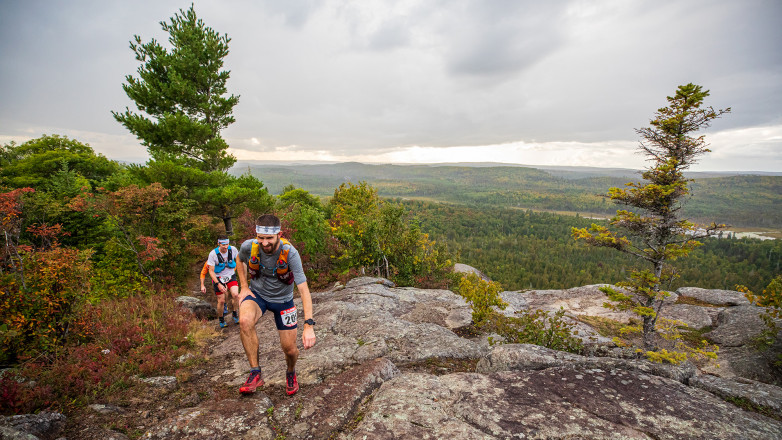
223, 241
267, 230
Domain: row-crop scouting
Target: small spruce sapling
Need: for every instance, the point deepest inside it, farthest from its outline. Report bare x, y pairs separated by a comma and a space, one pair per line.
771, 301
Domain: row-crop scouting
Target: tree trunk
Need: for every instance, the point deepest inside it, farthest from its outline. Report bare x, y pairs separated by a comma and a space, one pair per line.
650, 322
229, 228
649, 331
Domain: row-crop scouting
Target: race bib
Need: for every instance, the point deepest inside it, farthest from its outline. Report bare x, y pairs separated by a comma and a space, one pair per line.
224, 279
289, 317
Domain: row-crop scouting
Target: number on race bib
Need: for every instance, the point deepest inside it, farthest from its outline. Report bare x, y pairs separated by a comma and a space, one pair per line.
289, 317
224, 280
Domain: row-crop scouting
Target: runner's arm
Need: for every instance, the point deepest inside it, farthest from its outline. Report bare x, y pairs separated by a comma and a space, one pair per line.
241, 275
204, 272
214, 279
308, 334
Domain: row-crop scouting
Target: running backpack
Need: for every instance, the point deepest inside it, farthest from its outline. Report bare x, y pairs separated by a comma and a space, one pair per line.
222, 263
282, 272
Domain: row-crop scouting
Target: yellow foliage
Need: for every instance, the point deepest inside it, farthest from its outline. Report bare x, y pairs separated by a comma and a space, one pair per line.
672, 357
481, 295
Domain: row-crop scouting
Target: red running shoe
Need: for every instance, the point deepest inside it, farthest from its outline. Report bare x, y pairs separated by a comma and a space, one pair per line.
253, 382
293, 385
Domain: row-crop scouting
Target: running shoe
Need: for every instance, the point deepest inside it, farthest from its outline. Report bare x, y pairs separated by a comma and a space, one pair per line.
222, 323
292, 384
253, 382
236, 317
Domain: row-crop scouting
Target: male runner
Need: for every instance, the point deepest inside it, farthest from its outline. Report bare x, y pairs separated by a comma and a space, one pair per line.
266, 279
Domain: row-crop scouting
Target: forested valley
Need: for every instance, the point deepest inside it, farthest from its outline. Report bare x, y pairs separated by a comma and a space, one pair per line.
523, 249
495, 218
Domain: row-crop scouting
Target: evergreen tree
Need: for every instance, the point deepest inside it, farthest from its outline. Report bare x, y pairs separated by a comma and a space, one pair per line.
657, 232
182, 92
35, 162
227, 195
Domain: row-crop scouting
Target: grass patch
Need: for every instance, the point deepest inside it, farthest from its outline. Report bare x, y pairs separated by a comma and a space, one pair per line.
693, 337
606, 327
693, 301
747, 405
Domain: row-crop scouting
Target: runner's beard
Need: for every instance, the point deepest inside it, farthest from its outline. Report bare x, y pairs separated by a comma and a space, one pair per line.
270, 249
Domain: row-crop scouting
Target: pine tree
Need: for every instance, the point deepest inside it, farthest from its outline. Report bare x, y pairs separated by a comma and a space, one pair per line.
657, 232
182, 94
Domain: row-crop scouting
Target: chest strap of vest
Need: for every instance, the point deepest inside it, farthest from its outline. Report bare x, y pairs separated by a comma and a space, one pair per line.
221, 263
282, 272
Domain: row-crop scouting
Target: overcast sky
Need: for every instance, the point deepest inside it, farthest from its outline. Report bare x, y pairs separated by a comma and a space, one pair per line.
529, 82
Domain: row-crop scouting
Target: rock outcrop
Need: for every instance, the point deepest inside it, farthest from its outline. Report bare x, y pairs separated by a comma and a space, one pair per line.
732, 322
554, 403
31, 426
200, 308
396, 362
367, 377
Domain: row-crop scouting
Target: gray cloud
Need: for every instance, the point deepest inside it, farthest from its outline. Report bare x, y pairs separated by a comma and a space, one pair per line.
380, 75
502, 37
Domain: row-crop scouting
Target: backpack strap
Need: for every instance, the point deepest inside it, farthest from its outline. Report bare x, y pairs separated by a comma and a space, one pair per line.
231, 262
254, 264
282, 259
220, 261
254, 249
283, 272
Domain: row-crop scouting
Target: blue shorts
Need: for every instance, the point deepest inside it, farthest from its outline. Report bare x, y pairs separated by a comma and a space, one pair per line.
285, 316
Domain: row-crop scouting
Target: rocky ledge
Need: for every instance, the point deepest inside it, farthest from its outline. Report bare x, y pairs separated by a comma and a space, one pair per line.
390, 363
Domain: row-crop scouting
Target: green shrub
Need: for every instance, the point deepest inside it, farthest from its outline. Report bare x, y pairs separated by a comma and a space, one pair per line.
482, 296
771, 301
527, 327
538, 327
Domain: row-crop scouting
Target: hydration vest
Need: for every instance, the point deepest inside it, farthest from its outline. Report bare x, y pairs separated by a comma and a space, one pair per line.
222, 264
281, 271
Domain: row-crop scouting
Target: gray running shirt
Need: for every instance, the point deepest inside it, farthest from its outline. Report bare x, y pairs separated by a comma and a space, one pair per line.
270, 288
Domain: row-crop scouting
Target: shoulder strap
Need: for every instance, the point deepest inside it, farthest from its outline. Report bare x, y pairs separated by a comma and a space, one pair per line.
285, 247
220, 257
254, 250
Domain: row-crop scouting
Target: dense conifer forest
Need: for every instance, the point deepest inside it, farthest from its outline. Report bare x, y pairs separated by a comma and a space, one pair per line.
523, 249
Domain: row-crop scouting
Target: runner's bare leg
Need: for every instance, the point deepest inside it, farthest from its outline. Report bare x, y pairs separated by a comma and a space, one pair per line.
288, 343
249, 315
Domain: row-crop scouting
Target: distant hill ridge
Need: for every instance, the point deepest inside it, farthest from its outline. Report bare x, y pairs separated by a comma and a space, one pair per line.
242, 165
739, 199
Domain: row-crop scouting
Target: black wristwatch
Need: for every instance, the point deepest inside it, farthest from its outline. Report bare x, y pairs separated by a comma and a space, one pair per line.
309, 321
